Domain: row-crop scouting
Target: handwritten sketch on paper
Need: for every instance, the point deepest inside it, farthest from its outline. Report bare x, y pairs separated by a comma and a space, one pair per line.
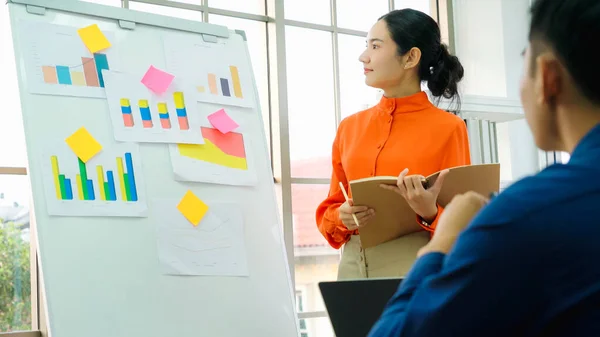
109, 184
57, 61
220, 73
140, 115
215, 247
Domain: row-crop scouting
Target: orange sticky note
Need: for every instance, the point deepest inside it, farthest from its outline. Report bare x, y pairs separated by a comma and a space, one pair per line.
192, 208
93, 38
83, 144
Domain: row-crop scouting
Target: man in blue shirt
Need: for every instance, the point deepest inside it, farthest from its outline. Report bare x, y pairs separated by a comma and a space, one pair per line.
528, 263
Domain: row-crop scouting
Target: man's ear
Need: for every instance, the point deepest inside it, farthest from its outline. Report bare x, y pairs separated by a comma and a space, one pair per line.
549, 82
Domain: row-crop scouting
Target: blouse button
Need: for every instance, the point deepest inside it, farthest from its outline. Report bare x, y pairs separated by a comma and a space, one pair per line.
379, 146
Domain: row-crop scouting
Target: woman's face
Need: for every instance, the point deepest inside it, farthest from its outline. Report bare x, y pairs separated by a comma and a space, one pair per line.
382, 65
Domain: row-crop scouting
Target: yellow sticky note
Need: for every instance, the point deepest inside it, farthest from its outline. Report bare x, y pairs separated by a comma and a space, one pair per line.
93, 38
192, 208
83, 144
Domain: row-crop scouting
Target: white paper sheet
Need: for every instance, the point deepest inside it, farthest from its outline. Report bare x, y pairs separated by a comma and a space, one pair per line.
226, 159
121, 86
214, 248
208, 66
54, 63
189, 168
74, 203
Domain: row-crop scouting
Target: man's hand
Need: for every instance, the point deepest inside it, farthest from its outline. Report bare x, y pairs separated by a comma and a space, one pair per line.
455, 218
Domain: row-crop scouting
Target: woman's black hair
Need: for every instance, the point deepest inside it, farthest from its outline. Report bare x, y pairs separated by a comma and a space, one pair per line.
442, 72
571, 28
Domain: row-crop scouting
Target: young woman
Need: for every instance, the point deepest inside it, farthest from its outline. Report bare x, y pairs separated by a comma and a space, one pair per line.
403, 134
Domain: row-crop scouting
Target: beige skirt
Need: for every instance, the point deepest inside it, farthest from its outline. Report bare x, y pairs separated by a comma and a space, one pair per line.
390, 259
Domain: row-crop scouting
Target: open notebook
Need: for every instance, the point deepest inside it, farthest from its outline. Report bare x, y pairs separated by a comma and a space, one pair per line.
394, 217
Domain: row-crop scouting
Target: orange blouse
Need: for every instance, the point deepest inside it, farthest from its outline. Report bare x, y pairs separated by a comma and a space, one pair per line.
397, 133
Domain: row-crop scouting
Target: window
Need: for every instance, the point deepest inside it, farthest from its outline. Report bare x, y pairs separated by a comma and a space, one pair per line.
311, 106
355, 96
315, 51
420, 5
115, 3
15, 278
246, 6
349, 17
314, 259
166, 10
313, 11
11, 124
300, 297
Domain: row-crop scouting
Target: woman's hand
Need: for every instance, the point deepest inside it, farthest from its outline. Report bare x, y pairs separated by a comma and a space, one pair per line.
457, 215
422, 201
363, 214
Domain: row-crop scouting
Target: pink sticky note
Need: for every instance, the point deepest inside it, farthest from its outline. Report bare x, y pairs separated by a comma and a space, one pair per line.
222, 122
157, 80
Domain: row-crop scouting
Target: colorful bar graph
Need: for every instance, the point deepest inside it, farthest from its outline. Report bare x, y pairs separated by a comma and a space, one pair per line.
181, 111
163, 115
91, 75
201, 88
235, 77
127, 114
50, 74
101, 64
145, 113
64, 75
105, 181
225, 87
90, 72
212, 84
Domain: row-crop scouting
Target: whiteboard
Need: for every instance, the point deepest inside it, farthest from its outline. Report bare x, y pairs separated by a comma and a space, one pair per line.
103, 275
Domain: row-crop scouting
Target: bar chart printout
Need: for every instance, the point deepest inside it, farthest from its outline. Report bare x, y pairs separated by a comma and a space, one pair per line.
100, 187
138, 115
218, 79
88, 73
69, 70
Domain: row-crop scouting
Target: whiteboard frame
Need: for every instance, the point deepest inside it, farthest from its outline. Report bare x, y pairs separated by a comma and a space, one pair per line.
127, 19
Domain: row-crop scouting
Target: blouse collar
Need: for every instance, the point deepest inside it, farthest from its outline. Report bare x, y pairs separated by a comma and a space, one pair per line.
412, 103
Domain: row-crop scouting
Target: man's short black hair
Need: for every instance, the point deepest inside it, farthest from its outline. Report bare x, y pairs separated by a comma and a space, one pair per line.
572, 29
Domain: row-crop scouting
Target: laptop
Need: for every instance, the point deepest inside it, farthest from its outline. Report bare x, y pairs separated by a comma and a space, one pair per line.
355, 305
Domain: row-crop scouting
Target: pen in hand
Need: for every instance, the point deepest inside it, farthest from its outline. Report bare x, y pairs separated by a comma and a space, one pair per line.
348, 201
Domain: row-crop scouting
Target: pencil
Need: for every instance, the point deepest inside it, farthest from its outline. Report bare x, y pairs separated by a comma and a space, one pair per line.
348, 200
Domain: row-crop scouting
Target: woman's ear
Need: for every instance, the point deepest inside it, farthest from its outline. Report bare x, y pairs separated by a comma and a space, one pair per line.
412, 58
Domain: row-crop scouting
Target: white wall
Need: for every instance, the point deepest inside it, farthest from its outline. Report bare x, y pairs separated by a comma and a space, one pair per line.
490, 36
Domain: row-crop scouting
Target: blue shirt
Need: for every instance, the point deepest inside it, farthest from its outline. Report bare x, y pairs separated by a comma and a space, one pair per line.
527, 265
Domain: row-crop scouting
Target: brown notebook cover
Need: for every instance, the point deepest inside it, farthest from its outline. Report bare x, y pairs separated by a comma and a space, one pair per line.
394, 217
